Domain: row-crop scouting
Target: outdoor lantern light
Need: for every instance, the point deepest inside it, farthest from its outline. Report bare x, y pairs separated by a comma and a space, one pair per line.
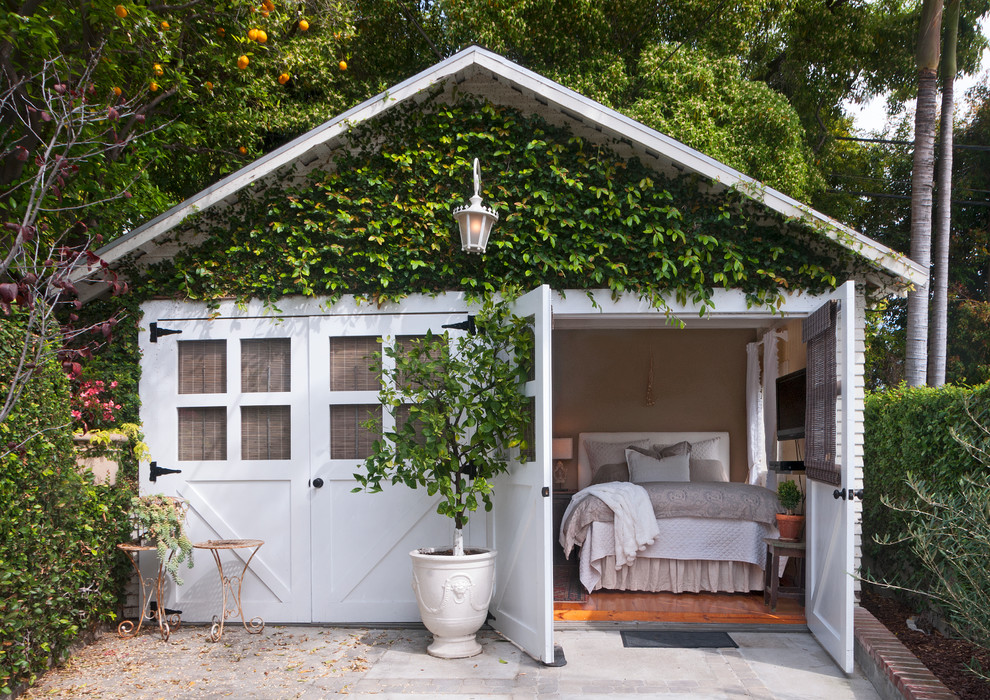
475, 220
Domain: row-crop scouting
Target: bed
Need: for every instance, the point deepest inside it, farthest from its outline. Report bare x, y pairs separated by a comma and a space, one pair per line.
668, 520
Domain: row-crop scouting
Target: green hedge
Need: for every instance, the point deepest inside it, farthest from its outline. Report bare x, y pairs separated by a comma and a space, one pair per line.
911, 431
60, 573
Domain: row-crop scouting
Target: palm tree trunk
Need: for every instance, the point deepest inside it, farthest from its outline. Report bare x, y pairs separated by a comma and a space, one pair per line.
940, 273
922, 184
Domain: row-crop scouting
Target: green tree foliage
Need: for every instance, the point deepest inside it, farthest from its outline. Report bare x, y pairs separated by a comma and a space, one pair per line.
575, 215
464, 404
60, 572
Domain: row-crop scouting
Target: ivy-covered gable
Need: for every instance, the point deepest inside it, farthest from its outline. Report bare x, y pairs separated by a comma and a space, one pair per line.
573, 214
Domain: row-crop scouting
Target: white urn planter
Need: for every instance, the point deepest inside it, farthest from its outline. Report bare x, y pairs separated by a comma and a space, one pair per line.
453, 593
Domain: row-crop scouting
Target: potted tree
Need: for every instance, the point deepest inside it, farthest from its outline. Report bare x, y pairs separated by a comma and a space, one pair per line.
460, 410
789, 524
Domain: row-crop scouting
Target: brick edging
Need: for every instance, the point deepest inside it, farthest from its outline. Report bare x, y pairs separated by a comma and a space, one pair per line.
898, 673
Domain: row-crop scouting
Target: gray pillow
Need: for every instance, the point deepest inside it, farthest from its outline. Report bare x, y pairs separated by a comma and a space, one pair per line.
708, 470
602, 453
610, 472
644, 469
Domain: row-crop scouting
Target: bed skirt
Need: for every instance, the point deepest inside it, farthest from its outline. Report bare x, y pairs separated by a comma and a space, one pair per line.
681, 576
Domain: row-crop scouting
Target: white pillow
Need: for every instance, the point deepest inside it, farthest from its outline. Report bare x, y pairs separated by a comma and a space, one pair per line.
643, 469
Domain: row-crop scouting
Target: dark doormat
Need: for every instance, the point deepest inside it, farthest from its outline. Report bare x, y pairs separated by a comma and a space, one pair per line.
676, 640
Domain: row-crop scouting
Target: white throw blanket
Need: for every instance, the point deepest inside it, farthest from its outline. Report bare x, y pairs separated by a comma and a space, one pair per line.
635, 523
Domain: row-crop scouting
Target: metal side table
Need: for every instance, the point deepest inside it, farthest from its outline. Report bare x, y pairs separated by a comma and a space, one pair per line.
152, 585
231, 586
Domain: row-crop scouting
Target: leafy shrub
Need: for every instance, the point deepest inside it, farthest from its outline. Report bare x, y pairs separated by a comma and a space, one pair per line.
927, 496
60, 572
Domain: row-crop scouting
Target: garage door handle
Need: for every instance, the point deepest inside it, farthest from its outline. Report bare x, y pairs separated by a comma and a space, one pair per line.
317, 483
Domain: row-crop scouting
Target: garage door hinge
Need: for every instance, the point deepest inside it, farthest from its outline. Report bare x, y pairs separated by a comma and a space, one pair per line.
157, 332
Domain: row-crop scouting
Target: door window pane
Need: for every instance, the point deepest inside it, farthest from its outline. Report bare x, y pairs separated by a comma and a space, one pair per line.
202, 434
266, 432
202, 366
350, 364
348, 438
404, 346
528, 452
266, 365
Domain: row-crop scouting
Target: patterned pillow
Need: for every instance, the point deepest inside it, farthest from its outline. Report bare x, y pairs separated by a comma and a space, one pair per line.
705, 449
602, 453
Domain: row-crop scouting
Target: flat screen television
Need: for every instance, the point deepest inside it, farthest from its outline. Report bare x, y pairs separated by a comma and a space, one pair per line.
790, 405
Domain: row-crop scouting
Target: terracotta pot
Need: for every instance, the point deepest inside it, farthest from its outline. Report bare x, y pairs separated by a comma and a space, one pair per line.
453, 595
791, 527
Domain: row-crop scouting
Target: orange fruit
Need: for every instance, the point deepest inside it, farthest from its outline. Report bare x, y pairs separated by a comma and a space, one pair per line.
242, 150
221, 31
158, 69
153, 87
121, 11
342, 65
164, 26
117, 91
303, 25
283, 79
269, 5
262, 36
242, 62
264, 13
209, 85
253, 34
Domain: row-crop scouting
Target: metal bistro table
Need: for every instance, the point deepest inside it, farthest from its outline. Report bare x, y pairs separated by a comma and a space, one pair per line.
231, 596
167, 621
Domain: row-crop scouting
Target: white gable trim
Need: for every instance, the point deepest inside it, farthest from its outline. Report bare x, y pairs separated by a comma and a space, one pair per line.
553, 93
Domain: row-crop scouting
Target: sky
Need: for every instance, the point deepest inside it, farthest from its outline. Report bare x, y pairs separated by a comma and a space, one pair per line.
871, 118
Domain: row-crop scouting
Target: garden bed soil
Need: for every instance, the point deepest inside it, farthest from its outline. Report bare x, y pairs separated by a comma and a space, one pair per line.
946, 658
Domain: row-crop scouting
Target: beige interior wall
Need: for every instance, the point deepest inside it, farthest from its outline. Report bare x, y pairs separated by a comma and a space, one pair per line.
600, 380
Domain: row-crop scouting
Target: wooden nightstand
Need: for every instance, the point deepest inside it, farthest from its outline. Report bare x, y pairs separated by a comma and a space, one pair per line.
561, 499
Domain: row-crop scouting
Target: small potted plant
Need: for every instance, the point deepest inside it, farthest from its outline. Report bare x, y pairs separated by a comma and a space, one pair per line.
460, 410
160, 521
789, 524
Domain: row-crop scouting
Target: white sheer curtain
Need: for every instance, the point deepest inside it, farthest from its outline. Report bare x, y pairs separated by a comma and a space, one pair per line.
770, 372
755, 440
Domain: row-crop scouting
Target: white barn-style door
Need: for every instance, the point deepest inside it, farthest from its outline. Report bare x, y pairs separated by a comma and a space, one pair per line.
830, 525
521, 517
225, 402
361, 541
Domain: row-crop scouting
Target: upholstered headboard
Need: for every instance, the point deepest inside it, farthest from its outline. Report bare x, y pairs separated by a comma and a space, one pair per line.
584, 467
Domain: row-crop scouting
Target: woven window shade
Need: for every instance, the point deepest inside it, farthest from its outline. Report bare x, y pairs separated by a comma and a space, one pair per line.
202, 366
266, 432
348, 438
528, 453
403, 344
202, 434
266, 365
402, 418
350, 360
818, 332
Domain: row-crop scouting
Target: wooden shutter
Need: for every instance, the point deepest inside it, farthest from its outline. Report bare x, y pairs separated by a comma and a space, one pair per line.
348, 438
202, 366
266, 365
266, 432
350, 360
818, 332
202, 434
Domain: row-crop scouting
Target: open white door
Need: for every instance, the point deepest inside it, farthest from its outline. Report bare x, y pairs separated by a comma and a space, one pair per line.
521, 515
830, 523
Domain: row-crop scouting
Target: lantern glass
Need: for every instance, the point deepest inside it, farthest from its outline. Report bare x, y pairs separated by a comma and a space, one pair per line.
475, 220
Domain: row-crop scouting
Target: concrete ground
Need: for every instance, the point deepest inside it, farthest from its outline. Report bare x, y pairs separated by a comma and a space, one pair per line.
317, 662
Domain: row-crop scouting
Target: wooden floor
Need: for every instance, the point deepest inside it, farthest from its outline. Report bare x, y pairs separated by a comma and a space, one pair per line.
712, 608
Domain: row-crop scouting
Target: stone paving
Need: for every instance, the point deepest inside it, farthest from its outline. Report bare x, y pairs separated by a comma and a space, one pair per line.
319, 662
